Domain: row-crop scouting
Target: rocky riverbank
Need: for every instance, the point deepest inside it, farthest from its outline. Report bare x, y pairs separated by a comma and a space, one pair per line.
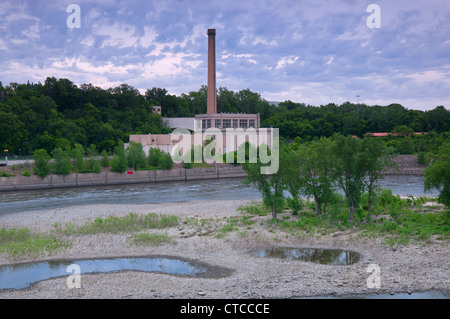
407, 165
403, 269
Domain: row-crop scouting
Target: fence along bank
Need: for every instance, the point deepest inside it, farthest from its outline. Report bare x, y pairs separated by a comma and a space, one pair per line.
108, 178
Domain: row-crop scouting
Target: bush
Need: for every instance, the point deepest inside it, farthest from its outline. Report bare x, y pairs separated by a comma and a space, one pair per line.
119, 164
135, 155
26, 173
4, 174
166, 161
421, 158
104, 161
62, 165
41, 163
154, 157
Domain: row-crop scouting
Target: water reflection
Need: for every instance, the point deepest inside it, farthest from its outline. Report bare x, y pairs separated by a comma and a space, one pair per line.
20, 276
315, 255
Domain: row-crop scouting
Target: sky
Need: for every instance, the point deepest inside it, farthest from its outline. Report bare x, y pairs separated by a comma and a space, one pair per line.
312, 52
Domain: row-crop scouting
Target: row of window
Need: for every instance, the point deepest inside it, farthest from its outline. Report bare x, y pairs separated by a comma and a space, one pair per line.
226, 123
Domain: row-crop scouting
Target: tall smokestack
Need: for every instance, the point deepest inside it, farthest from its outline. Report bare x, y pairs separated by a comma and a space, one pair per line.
212, 98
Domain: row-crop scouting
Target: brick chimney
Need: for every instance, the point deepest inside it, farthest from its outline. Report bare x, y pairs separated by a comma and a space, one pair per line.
212, 98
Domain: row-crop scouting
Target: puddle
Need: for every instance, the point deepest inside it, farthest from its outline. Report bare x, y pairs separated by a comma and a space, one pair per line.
20, 276
315, 255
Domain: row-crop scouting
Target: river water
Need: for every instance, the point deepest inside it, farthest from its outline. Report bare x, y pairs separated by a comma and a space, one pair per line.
215, 189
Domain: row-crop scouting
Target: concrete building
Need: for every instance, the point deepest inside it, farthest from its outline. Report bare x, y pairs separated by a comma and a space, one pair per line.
232, 129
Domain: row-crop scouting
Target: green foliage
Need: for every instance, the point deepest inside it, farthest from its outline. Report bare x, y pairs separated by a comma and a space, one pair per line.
150, 239
349, 170
104, 161
166, 161
119, 162
26, 173
61, 165
41, 163
5, 174
135, 155
20, 241
271, 186
154, 157
128, 223
61, 114
437, 176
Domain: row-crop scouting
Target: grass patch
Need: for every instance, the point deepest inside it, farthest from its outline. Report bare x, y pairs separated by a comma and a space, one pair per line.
394, 220
18, 242
112, 224
150, 239
254, 209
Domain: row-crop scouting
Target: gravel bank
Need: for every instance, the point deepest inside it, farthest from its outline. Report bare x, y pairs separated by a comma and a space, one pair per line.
409, 268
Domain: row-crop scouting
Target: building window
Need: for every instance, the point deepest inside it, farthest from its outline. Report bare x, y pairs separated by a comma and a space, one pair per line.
235, 123
203, 123
226, 123
243, 123
208, 123
218, 124
251, 123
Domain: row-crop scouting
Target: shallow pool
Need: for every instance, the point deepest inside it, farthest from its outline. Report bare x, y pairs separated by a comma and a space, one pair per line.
19, 276
315, 255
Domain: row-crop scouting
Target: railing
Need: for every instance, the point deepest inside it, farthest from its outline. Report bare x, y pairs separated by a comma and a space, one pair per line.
17, 158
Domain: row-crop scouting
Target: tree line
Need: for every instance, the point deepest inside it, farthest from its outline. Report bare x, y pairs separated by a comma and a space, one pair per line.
61, 114
79, 160
345, 164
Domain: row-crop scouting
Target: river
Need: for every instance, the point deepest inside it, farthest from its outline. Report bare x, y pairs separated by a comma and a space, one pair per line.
215, 189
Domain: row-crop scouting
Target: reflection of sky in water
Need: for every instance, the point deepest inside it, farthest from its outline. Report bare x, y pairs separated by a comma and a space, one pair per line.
22, 275
316, 255
215, 189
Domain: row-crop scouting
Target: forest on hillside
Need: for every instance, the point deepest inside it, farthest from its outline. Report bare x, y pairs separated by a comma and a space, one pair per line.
59, 113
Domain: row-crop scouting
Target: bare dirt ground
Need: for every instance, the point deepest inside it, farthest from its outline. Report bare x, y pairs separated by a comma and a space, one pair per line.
409, 268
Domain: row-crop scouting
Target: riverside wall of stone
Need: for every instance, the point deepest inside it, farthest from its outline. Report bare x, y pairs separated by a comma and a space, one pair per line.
108, 178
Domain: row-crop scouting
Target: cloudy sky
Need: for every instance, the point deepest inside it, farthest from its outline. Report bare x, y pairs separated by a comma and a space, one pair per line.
309, 51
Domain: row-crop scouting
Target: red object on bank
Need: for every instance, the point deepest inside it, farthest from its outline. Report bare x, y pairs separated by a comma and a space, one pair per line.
130, 172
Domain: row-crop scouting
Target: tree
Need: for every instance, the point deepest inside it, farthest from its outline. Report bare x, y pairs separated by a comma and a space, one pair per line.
349, 171
78, 155
41, 163
375, 158
166, 161
119, 163
135, 155
62, 165
437, 176
104, 159
154, 157
292, 178
316, 163
270, 186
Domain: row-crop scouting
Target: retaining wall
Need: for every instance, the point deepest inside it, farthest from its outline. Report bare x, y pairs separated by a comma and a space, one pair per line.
107, 178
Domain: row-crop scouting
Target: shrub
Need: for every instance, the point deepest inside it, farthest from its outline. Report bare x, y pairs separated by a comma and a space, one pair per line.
62, 165
166, 161
104, 161
155, 157
41, 163
119, 164
135, 155
26, 173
